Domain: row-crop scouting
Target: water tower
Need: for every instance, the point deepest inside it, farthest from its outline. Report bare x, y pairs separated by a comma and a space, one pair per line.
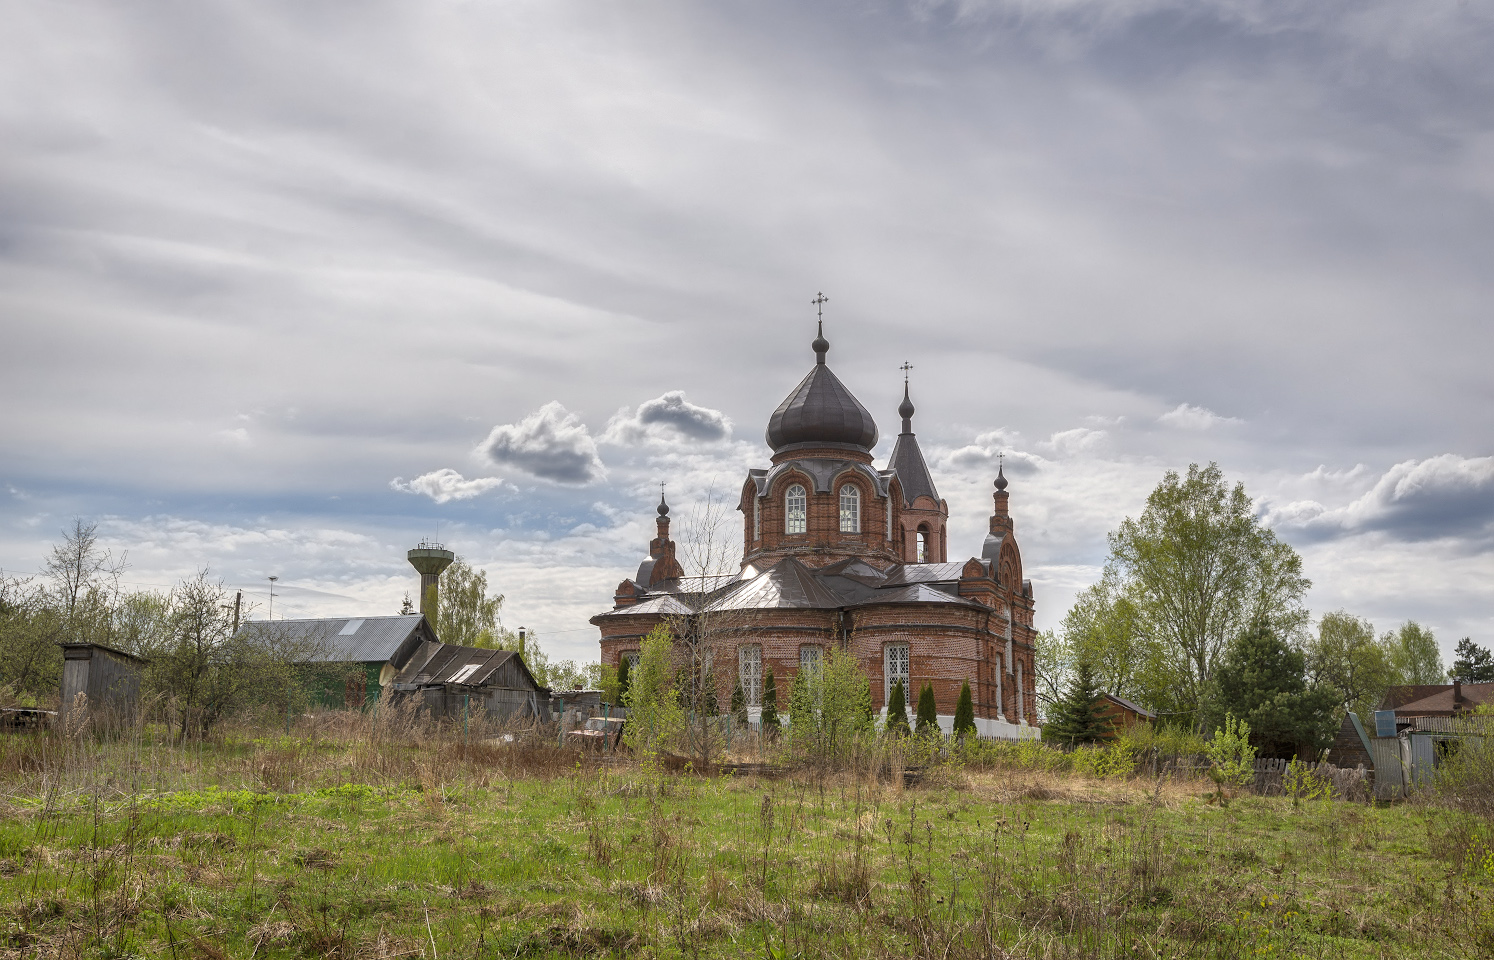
429, 559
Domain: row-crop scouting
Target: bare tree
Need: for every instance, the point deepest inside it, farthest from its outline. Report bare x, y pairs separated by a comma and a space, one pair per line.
710, 554
79, 565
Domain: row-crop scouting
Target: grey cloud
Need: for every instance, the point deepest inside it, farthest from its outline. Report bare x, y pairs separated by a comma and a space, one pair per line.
1444, 496
669, 417
551, 443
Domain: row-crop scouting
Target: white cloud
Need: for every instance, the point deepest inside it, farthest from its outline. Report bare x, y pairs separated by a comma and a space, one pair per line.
551, 443
667, 418
1188, 417
238, 436
1080, 440
445, 485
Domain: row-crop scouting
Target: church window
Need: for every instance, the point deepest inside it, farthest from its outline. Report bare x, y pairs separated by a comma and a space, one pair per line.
632, 658
923, 544
889, 517
811, 658
1000, 698
895, 656
757, 518
850, 509
796, 510
750, 673
1021, 697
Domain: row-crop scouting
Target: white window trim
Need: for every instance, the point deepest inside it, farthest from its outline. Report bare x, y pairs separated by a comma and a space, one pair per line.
851, 492
788, 510
751, 681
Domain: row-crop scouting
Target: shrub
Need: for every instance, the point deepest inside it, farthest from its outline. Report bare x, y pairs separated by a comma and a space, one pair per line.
769, 718
928, 711
897, 711
964, 717
654, 715
1231, 755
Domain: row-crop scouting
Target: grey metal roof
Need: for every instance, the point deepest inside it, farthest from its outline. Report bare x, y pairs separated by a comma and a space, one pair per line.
821, 411
925, 572
918, 593
823, 472
907, 461
1133, 707
358, 639
788, 584
662, 604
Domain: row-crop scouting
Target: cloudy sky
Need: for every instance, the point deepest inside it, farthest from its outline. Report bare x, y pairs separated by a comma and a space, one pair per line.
285, 286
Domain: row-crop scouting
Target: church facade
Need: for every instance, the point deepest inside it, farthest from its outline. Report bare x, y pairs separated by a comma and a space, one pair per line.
839, 553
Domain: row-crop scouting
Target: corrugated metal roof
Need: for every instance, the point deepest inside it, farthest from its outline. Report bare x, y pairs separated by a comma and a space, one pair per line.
373, 640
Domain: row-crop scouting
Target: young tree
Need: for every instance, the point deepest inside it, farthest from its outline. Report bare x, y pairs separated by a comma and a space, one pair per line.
769, 716
1346, 658
739, 704
1201, 570
1414, 654
1104, 629
1472, 663
654, 715
964, 716
928, 712
1075, 718
466, 616
79, 564
30, 630
1052, 659
622, 681
1262, 681
897, 710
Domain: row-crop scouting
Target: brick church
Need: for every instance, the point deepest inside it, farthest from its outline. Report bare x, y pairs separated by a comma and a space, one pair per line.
839, 553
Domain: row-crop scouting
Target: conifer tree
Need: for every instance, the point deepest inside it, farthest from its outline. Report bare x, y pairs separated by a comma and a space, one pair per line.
928, 711
897, 711
622, 681
739, 704
964, 718
1076, 716
769, 719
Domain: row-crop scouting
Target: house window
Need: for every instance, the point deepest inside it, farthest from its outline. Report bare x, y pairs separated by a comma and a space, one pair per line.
895, 668
850, 509
923, 545
750, 674
811, 658
796, 510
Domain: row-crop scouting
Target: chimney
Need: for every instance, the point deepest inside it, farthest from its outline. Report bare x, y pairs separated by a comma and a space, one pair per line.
429, 559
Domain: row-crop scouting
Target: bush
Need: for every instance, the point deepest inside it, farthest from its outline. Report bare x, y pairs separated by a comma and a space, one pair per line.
655, 719
928, 712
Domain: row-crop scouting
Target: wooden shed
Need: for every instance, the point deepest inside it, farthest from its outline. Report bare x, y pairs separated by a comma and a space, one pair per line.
1121, 713
454, 681
108, 679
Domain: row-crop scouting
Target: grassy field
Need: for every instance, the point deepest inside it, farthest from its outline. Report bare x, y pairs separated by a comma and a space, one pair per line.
365, 847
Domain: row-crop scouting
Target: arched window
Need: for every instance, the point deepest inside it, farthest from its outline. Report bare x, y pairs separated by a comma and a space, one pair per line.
850, 509
923, 544
795, 510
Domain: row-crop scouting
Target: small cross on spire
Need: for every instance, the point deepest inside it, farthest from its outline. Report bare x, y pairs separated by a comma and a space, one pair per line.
819, 302
905, 368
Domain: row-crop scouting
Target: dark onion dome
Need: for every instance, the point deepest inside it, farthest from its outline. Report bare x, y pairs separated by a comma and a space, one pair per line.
821, 412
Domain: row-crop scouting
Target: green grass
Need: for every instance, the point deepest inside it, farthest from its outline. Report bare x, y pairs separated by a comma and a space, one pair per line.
411, 851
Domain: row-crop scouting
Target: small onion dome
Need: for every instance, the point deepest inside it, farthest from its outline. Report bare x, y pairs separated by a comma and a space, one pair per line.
663, 507
905, 410
821, 412
1000, 478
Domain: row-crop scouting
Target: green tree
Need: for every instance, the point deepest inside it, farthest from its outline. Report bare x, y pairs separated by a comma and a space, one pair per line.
1346, 657
768, 719
466, 616
1201, 570
897, 710
622, 680
739, 704
1075, 718
928, 712
964, 715
1472, 663
1052, 659
1263, 682
654, 715
1103, 629
1231, 757
1414, 654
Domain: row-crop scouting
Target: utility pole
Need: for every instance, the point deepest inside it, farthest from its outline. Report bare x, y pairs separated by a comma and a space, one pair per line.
271, 615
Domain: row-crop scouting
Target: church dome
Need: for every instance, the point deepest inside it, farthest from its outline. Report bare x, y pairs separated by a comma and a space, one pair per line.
821, 412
